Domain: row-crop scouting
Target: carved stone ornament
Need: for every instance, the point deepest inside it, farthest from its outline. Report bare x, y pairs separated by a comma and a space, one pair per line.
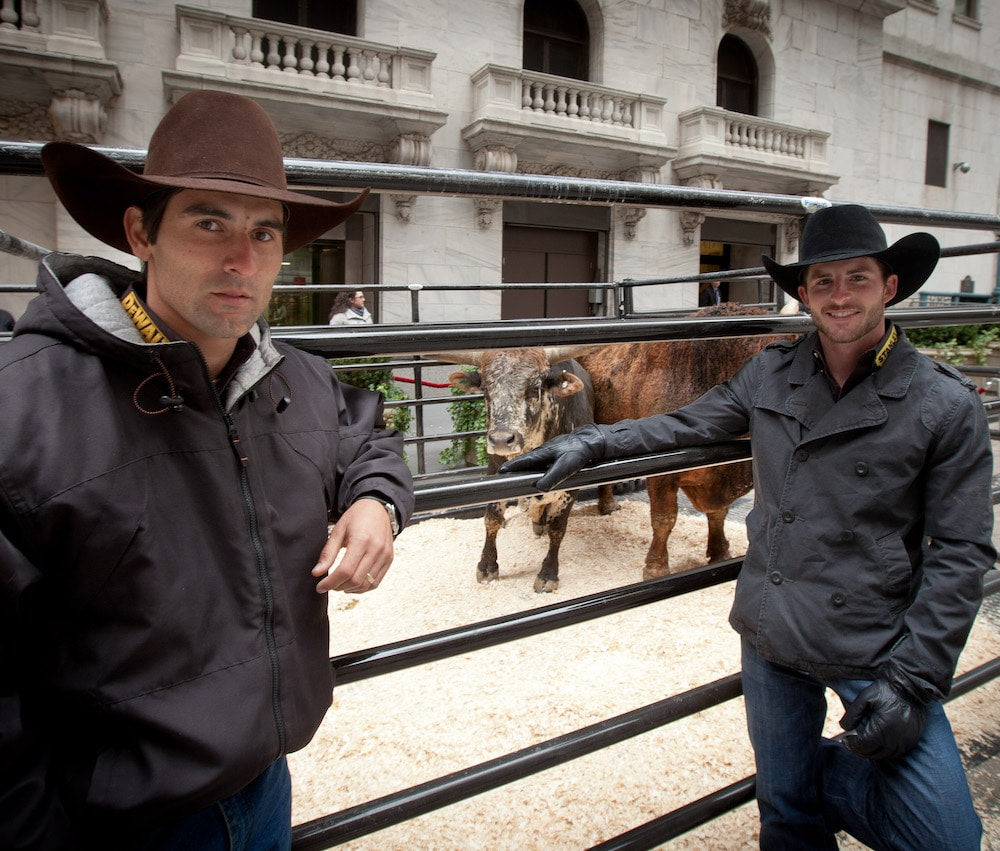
411, 149
495, 158
77, 116
690, 222
404, 206
749, 14
312, 146
485, 208
793, 229
631, 216
24, 120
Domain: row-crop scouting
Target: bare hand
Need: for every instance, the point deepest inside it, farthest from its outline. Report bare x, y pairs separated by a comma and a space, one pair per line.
365, 535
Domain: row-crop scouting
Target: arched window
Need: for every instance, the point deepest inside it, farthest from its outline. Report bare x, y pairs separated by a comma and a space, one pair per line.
556, 38
737, 80
338, 17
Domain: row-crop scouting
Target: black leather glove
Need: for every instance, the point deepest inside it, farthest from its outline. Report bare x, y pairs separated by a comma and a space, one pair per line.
562, 456
886, 722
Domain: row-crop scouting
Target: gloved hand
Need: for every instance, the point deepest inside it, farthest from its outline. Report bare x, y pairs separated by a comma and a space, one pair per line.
886, 721
567, 454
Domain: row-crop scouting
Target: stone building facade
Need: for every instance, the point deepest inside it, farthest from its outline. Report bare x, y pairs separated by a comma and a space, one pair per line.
890, 102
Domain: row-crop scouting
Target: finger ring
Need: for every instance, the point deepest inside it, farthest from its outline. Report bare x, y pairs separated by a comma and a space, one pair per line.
371, 579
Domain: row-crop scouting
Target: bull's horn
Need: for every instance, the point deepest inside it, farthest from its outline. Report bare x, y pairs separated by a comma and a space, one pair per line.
473, 357
555, 354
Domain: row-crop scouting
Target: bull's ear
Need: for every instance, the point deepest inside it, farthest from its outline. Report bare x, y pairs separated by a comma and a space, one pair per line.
562, 383
467, 382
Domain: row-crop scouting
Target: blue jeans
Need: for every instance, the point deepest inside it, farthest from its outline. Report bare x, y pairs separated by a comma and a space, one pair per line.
809, 787
257, 818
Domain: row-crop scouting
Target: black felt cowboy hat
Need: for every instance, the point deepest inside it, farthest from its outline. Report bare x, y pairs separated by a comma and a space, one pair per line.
850, 230
207, 140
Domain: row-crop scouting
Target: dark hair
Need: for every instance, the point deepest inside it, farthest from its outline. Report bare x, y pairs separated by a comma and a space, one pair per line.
153, 207
342, 302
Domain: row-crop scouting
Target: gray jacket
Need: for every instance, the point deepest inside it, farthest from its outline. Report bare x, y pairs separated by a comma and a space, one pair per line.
872, 520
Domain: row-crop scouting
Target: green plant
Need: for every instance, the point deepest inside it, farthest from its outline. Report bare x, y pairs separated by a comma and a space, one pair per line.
466, 415
379, 380
948, 339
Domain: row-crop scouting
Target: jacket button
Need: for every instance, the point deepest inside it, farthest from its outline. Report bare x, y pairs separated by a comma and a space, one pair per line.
788, 516
861, 468
801, 454
776, 578
838, 599
846, 536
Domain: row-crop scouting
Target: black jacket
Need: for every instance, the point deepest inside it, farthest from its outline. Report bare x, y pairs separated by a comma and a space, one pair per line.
162, 639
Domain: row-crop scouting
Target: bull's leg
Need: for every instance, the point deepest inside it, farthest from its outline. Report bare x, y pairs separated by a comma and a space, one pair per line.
606, 499
538, 508
488, 569
662, 517
558, 516
718, 544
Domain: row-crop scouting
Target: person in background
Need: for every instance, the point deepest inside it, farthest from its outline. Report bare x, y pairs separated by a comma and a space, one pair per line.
349, 309
6, 320
869, 536
710, 295
178, 492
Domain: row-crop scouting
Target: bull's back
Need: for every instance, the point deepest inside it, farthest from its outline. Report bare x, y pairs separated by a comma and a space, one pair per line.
634, 380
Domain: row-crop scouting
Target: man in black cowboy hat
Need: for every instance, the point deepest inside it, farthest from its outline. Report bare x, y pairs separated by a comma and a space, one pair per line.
869, 536
168, 477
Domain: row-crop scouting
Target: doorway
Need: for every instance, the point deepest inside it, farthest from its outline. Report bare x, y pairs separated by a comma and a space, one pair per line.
548, 256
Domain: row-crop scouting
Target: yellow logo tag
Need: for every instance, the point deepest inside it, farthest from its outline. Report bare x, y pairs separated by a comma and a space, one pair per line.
882, 354
145, 325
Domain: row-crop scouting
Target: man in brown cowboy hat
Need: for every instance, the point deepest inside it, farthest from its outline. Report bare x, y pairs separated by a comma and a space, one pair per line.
168, 476
869, 536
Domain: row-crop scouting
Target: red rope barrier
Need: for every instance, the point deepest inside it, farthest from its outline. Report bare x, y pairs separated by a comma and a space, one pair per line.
423, 383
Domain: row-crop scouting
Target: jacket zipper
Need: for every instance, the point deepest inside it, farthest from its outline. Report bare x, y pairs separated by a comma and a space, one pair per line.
263, 577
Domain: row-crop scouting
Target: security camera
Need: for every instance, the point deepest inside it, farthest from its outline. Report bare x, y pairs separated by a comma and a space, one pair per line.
963, 167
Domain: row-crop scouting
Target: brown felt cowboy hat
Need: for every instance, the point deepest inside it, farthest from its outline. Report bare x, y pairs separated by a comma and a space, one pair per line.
850, 230
207, 140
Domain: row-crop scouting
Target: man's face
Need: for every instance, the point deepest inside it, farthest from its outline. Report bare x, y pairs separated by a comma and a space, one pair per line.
210, 272
847, 299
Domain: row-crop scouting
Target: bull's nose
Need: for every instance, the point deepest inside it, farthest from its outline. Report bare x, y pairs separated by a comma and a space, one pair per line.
503, 442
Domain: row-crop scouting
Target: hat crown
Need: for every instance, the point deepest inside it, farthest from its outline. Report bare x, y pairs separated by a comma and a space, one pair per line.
841, 232
220, 136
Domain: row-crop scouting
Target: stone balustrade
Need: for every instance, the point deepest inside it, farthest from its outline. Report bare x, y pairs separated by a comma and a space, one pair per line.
216, 43
709, 126
560, 97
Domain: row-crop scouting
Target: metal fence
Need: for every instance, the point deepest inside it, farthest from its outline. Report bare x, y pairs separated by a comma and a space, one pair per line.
408, 345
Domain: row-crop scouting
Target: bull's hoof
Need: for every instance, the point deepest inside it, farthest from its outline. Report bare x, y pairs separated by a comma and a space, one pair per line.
655, 571
546, 586
607, 507
485, 576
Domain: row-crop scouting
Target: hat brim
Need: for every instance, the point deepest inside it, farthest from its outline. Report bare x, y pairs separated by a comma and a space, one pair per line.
912, 259
96, 191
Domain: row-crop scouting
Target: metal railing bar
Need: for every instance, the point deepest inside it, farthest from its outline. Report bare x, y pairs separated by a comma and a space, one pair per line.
24, 158
678, 822
397, 656
409, 803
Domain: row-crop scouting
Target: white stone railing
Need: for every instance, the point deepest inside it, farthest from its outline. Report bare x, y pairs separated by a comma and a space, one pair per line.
708, 127
68, 27
516, 90
224, 44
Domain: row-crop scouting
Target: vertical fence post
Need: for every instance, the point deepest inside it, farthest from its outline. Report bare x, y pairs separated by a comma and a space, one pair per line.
418, 387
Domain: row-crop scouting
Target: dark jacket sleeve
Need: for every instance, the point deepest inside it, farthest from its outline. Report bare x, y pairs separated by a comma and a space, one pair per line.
371, 458
958, 547
31, 815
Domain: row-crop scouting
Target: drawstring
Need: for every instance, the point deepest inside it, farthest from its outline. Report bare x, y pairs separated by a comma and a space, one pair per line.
280, 405
172, 402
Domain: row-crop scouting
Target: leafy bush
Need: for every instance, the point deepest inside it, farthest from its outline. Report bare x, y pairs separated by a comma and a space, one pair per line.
947, 339
379, 380
466, 415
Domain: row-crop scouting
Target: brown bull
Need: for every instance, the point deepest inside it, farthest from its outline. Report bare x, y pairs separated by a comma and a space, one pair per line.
532, 395
633, 380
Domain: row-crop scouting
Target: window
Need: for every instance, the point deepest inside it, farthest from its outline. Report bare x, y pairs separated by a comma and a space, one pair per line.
556, 38
967, 9
736, 88
936, 168
338, 16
